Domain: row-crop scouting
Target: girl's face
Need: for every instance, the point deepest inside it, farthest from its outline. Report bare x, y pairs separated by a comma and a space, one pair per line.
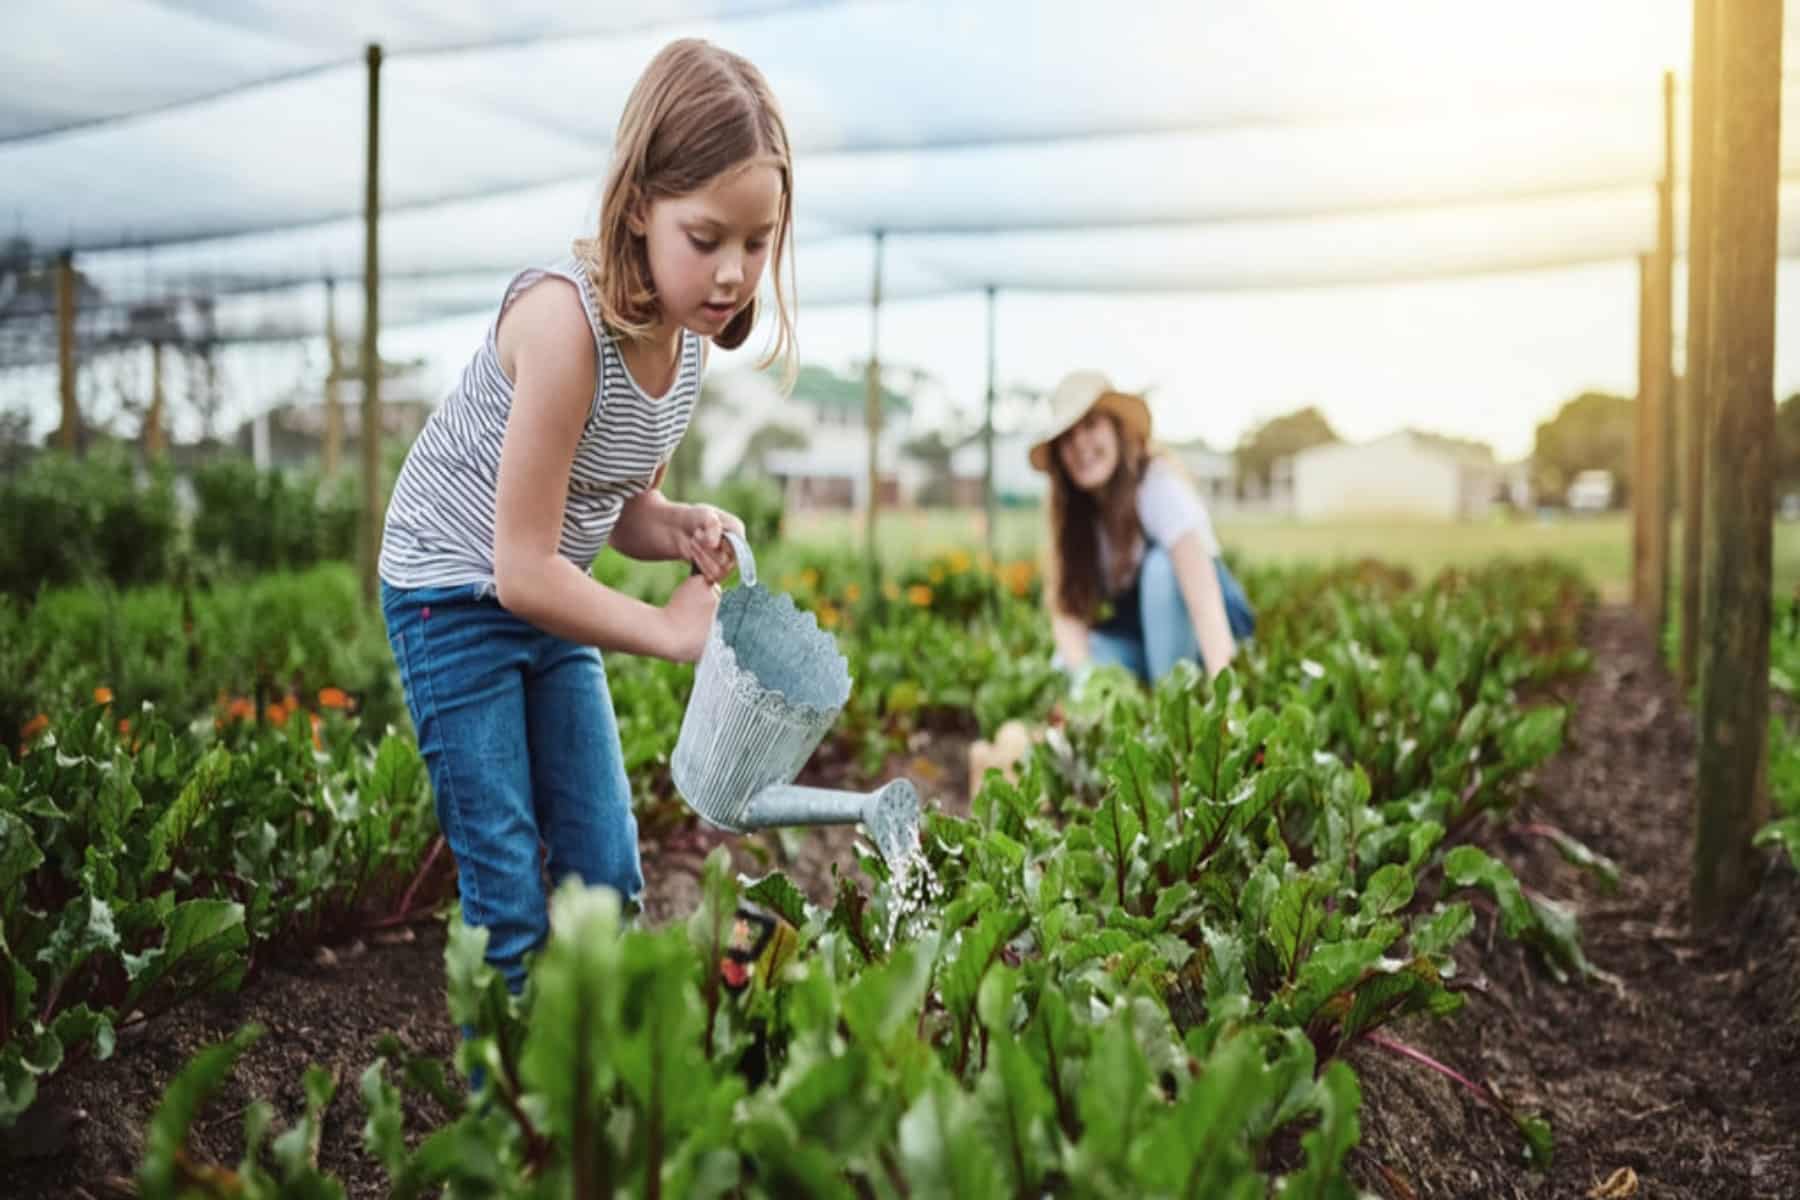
707, 249
1090, 451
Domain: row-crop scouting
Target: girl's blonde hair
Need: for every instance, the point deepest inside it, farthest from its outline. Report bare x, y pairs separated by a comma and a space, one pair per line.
696, 113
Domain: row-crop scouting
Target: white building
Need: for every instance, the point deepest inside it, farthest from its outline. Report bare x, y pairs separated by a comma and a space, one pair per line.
827, 412
1408, 473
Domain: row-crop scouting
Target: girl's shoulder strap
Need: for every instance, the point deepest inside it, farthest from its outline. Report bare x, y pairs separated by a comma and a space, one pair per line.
574, 272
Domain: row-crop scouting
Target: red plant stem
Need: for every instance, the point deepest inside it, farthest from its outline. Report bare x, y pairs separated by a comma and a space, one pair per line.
437, 848
1425, 1060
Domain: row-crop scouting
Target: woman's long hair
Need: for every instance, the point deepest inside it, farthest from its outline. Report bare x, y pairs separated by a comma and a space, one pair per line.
1078, 580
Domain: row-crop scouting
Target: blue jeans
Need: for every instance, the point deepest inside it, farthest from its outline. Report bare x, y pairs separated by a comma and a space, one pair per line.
517, 730
1167, 629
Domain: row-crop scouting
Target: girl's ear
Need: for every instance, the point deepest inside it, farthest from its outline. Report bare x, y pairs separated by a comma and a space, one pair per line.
637, 216
738, 328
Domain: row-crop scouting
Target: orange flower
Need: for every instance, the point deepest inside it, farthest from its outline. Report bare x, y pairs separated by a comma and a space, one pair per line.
276, 713
124, 725
316, 725
33, 727
1018, 576
828, 616
333, 698
919, 596
102, 695
240, 709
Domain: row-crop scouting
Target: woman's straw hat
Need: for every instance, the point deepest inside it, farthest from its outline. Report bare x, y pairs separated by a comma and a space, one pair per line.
1075, 396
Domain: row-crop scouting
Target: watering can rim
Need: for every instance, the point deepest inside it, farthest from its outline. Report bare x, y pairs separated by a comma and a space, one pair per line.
747, 679
784, 603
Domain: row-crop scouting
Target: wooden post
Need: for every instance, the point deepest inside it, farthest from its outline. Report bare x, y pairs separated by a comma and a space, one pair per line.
1640, 471
1701, 141
1731, 793
153, 421
989, 507
69, 433
1656, 385
334, 410
872, 414
371, 352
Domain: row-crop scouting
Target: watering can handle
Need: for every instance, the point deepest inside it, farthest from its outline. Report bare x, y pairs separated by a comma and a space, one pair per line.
746, 561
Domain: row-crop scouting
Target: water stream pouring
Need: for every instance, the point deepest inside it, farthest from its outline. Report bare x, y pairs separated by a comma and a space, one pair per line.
769, 685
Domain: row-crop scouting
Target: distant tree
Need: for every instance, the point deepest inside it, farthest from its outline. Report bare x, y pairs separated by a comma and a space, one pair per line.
766, 440
1278, 438
933, 451
15, 438
1787, 444
1592, 432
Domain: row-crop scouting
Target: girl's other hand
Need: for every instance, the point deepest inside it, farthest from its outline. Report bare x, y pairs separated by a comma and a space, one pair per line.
702, 534
688, 618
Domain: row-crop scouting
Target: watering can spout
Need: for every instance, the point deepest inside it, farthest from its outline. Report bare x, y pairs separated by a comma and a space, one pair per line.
890, 813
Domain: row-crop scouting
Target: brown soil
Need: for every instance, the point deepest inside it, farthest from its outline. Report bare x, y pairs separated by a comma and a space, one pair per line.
84, 1139
1687, 1075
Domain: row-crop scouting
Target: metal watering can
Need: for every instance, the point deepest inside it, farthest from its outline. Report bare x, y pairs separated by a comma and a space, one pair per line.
769, 685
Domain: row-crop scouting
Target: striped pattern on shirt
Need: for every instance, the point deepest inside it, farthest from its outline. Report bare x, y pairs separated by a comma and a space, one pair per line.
440, 521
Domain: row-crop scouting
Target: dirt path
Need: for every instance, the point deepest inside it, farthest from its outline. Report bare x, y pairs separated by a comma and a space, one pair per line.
1687, 1075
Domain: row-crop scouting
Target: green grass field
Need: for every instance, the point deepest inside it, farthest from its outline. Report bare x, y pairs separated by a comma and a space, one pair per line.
1599, 545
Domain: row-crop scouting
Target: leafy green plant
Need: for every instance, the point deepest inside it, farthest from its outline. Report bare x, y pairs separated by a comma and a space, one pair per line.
144, 865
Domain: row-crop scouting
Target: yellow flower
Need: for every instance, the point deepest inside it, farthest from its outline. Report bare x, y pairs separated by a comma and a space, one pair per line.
852, 593
891, 590
828, 616
960, 561
810, 577
919, 596
936, 574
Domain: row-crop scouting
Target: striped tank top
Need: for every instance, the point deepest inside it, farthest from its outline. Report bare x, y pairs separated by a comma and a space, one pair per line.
439, 530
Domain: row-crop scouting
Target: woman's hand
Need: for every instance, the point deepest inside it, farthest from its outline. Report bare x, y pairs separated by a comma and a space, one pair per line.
688, 618
700, 536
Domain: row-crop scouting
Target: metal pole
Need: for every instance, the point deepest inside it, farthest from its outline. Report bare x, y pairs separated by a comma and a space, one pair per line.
1731, 790
371, 356
153, 422
1640, 471
334, 410
987, 426
872, 414
65, 350
1656, 384
1702, 142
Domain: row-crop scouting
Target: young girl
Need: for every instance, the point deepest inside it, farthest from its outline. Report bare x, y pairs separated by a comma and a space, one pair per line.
552, 446
1126, 528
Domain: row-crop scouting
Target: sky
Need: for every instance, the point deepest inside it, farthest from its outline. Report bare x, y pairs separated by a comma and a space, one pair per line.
1239, 277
